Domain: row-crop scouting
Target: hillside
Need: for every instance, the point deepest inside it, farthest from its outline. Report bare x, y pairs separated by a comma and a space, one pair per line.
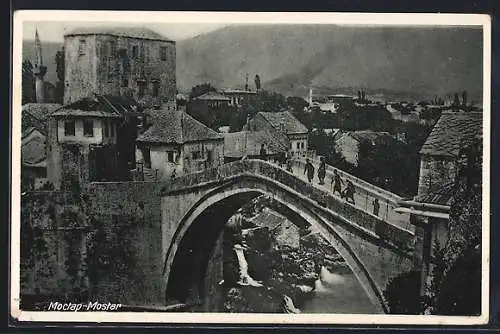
387, 62
413, 61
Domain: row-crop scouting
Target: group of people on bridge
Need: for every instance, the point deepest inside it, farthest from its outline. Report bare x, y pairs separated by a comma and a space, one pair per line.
336, 185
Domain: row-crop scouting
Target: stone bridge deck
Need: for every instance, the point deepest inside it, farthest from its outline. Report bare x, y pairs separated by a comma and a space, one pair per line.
373, 227
364, 195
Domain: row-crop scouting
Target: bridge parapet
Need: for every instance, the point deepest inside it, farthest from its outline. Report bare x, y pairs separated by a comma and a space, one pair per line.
340, 210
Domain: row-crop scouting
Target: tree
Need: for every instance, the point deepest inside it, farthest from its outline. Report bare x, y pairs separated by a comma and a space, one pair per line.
60, 68
257, 82
28, 83
464, 99
456, 100
201, 89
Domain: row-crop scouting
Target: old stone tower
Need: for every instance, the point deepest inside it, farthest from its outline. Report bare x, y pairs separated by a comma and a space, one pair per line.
133, 62
39, 71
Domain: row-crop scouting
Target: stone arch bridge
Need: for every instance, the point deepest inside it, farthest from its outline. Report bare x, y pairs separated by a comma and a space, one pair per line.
195, 207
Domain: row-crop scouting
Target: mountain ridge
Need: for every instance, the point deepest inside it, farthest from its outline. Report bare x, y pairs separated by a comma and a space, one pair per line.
392, 62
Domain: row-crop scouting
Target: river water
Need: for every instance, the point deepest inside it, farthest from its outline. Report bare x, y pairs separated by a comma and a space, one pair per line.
338, 292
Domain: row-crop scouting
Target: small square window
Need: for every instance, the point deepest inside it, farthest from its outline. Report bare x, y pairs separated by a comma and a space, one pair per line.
298, 145
163, 53
82, 47
196, 155
69, 128
170, 157
88, 128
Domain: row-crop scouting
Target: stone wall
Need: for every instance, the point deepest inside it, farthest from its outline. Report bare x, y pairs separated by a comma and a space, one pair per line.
129, 214
100, 71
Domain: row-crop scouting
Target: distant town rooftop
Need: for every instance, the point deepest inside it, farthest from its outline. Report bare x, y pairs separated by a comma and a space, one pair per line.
212, 96
451, 131
237, 91
130, 32
288, 121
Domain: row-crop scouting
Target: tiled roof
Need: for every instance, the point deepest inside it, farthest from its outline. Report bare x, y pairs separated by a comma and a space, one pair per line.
99, 106
40, 111
175, 127
32, 149
268, 219
131, 32
441, 196
239, 144
451, 131
212, 96
290, 123
368, 135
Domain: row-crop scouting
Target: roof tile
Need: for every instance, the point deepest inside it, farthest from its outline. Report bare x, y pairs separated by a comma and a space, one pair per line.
291, 124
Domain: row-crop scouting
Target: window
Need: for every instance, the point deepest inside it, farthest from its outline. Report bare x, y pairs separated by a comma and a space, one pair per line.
302, 146
88, 128
69, 128
170, 156
112, 129
124, 81
112, 48
142, 87
135, 51
163, 53
82, 47
298, 145
106, 128
156, 88
196, 155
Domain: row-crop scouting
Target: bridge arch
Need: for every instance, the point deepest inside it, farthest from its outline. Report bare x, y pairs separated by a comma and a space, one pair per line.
231, 195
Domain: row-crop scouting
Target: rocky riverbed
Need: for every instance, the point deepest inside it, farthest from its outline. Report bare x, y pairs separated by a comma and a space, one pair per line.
288, 274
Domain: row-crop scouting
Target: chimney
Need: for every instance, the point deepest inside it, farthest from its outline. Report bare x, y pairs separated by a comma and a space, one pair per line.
39, 70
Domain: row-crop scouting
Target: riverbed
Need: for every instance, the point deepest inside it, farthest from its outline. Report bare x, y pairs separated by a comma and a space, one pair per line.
338, 291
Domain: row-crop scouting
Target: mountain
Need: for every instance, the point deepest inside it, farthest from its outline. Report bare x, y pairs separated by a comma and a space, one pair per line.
399, 63
412, 62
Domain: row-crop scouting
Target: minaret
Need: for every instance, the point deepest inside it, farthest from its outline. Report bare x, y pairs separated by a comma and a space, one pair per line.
310, 97
39, 70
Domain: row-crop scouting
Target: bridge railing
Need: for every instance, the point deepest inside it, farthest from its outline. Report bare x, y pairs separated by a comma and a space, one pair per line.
373, 224
365, 194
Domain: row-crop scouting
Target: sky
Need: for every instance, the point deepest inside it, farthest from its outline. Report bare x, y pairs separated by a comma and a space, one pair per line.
54, 31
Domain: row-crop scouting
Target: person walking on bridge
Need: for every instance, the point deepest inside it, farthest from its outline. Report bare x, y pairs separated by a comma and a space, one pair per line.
376, 206
337, 183
349, 192
263, 152
322, 170
309, 169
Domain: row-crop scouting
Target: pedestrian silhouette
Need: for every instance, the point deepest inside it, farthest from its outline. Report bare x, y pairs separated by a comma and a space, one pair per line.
376, 206
349, 192
322, 171
337, 183
263, 152
309, 169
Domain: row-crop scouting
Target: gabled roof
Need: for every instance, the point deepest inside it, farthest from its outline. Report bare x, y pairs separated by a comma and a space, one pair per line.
248, 143
175, 127
39, 112
131, 32
368, 135
291, 124
451, 131
32, 147
442, 195
212, 96
99, 106
269, 219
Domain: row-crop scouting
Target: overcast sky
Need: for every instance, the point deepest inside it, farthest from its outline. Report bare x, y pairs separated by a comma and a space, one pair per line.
54, 31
